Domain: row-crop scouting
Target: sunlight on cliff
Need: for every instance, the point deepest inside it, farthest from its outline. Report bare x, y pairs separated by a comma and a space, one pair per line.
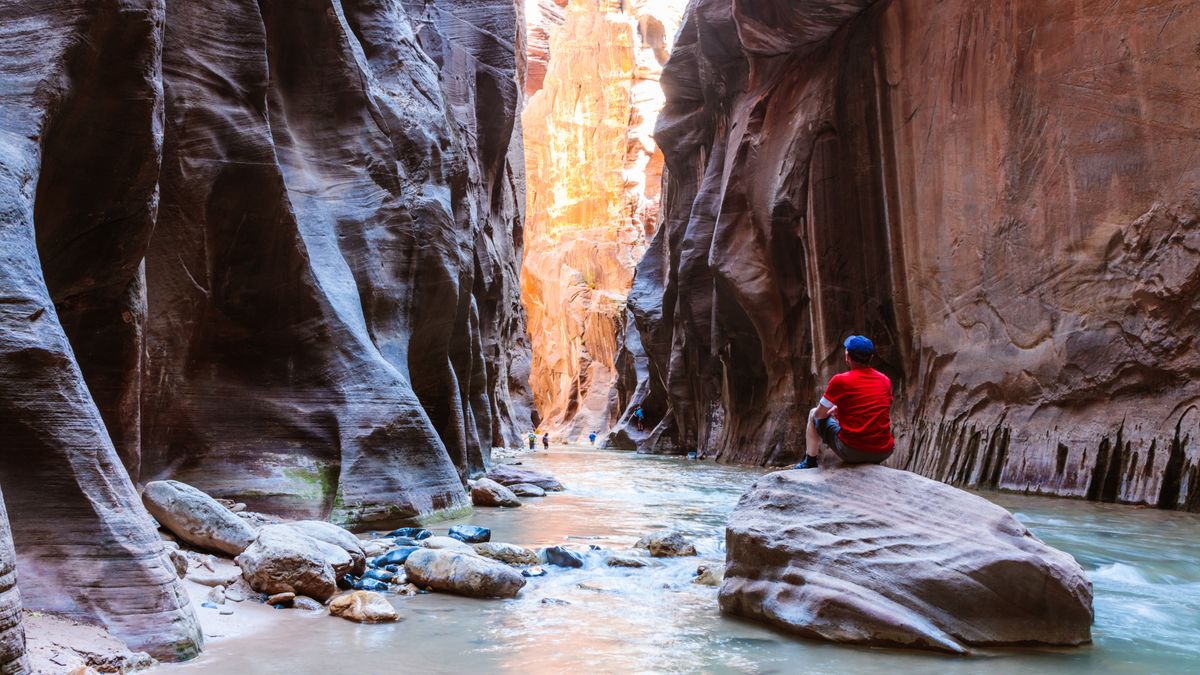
593, 182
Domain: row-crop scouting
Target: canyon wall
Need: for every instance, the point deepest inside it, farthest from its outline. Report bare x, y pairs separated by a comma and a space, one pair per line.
1006, 197
270, 248
594, 174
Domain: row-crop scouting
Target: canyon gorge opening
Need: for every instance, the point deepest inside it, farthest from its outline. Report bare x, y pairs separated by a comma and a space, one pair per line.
331, 260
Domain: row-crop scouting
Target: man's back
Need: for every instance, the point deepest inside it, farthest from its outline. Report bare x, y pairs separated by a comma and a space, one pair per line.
863, 397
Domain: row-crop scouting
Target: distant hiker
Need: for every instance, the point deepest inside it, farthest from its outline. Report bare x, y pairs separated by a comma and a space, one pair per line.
532, 440
546, 441
592, 438
639, 418
854, 415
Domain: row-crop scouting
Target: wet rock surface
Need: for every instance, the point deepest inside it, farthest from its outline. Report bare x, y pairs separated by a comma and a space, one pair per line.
196, 518
876, 556
811, 147
527, 490
561, 556
666, 545
463, 574
509, 554
469, 534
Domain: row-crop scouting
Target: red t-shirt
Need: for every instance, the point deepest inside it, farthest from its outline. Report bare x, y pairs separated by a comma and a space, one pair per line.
863, 397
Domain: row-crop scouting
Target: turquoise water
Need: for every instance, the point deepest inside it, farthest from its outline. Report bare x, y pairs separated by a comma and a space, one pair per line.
1144, 564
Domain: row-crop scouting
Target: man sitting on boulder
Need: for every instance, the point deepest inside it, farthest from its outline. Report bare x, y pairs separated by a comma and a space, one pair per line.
854, 415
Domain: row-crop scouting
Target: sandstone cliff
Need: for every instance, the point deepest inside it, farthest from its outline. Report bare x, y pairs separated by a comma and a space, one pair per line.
1005, 196
594, 174
270, 248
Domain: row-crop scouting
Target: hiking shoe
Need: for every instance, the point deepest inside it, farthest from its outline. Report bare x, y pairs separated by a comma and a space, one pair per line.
808, 463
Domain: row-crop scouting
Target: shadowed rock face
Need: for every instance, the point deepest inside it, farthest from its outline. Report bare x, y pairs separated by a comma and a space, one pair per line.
1010, 211
268, 248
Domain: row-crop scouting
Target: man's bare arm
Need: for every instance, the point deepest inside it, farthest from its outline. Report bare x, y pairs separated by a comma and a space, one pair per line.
825, 408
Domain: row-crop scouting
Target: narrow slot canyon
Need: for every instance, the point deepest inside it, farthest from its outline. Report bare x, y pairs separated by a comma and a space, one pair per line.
476, 322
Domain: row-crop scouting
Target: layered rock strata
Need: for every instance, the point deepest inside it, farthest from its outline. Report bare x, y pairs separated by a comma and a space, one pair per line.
270, 248
1004, 197
594, 174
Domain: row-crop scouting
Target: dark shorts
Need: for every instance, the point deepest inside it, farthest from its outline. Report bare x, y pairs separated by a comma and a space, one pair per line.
828, 428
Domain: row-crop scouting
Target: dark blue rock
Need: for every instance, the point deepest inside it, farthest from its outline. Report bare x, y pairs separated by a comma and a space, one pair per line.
534, 571
346, 581
371, 585
380, 574
394, 569
562, 557
417, 533
470, 534
396, 556
404, 541
209, 605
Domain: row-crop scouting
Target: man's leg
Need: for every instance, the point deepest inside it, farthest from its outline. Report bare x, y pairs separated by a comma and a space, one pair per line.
812, 442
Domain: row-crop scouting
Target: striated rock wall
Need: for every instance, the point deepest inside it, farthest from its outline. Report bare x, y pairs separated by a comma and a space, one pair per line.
594, 174
1005, 197
270, 248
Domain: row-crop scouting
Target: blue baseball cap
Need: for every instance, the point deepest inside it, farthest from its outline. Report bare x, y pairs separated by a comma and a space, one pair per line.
859, 346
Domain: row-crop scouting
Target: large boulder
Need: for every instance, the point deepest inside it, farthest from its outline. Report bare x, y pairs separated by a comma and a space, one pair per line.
196, 518
509, 474
283, 560
487, 492
876, 556
332, 534
462, 573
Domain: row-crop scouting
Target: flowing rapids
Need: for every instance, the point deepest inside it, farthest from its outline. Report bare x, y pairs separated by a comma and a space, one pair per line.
1145, 565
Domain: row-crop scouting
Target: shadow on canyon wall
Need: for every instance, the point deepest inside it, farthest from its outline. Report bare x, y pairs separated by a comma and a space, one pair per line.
267, 247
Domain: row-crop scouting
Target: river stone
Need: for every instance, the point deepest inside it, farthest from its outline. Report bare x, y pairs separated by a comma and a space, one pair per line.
710, 575
216, 595
336, 536
196, 517
456, 572
527, 490
487, 492
562, 557
438, 542
306, 603
876, 556
417, 533
363, 607
396, 556
470, 534
377, 547
626, 561
509, 554
222, 578
507, 474
338, 557
382, 575
283, 560
282, 599
666, 545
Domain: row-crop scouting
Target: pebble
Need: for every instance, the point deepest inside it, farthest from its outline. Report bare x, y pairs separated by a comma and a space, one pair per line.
626, 561
226, 611
306, 603
208, 605
234, 595
281, 598
534, 571
554, 601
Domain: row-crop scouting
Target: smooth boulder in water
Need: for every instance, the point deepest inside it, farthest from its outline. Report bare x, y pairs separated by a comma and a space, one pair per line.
487, 492
463, 574
335, 536
562, 557
527, 490
417, 533
507, 474
196, 518
363, 607
470, 534
877, 556
509, 554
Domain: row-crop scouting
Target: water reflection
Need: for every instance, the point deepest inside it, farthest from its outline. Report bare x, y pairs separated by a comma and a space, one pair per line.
1145, 566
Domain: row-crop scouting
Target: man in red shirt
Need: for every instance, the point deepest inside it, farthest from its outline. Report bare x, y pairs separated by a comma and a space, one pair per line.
854, 415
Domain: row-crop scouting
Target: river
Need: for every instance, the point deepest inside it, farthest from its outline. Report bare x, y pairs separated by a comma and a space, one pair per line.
1144, 564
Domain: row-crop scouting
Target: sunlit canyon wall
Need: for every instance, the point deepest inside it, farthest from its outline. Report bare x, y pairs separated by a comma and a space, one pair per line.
268, 247
593, 182
1005, 196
